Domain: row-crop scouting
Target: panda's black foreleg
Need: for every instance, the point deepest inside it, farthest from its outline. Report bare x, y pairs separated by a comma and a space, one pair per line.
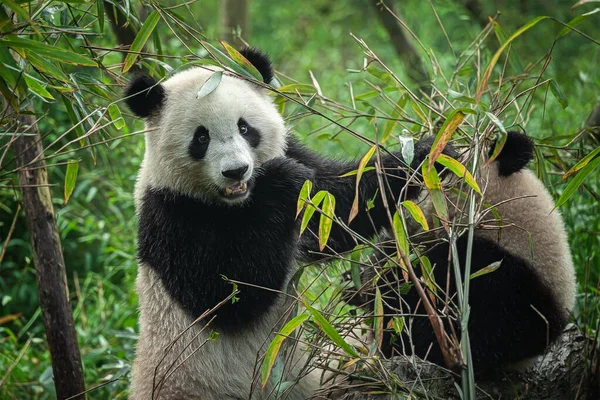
513, 314
393, 183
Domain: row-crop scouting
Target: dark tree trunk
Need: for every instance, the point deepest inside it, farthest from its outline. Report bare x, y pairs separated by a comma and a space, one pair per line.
234, 15
415, 69
49, 263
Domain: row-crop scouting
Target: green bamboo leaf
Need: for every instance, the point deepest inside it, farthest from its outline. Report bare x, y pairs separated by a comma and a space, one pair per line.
397, 323
562, 100
355, 172
582, 163
577, 181
326, 220
496, 57
297, 88
44, 66
210, 85
401, 238
428, 277
574, 22
45, 50
100, 12
416, 213
242, 61
140, 40
374, 93
500, 142
22, 13
275, 346
355, 265
35, 86
115, 115
434, 186
486, 270
224, 59
303, 196
361, 167
453, 121
310, 209
378, 318
453, 95
70, 178
331, 332
459, 170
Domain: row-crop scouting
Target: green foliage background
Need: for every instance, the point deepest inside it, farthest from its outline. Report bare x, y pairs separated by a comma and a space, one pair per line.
98, 223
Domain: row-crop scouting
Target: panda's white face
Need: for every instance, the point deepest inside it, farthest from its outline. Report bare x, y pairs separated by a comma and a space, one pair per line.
211, 148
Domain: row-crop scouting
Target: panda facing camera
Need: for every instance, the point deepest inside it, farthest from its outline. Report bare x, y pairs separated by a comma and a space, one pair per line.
216, 199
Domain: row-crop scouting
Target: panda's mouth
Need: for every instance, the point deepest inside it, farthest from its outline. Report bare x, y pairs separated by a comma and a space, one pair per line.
238, 189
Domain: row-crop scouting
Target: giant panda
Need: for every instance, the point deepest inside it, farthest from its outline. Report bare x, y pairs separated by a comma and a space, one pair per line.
216, 199
516, 310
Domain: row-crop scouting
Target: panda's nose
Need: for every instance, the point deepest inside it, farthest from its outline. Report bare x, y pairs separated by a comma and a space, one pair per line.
236, 174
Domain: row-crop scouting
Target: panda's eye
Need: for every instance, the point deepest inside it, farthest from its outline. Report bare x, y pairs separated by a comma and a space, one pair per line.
201, 136
243, 129
202, 139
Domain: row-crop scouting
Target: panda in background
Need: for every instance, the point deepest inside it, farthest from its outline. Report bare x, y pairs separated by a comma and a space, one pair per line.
517, 310
216, 197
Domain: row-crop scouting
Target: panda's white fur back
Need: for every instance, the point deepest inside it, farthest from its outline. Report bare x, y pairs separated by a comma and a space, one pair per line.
531, 229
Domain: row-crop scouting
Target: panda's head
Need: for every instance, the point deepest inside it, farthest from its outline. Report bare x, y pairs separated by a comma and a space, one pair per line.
211, 147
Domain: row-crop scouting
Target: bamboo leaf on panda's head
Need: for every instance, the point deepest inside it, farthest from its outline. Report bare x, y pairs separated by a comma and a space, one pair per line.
241, 61
210, 85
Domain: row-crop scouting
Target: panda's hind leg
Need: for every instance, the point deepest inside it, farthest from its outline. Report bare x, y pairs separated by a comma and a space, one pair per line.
513, 315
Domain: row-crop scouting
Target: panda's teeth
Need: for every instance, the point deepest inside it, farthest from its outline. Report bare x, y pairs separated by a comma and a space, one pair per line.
238, 188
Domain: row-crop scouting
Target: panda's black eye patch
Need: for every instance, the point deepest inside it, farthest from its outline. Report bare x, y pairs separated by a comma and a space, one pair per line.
199, 143
249, 133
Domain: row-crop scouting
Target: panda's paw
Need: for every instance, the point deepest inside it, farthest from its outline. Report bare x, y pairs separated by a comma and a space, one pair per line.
284, 172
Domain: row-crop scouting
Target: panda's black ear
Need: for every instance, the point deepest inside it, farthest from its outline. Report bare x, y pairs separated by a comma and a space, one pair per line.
144, 95
515, 155
260, 61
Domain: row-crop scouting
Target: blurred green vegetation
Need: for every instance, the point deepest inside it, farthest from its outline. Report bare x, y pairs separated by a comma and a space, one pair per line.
98, 223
